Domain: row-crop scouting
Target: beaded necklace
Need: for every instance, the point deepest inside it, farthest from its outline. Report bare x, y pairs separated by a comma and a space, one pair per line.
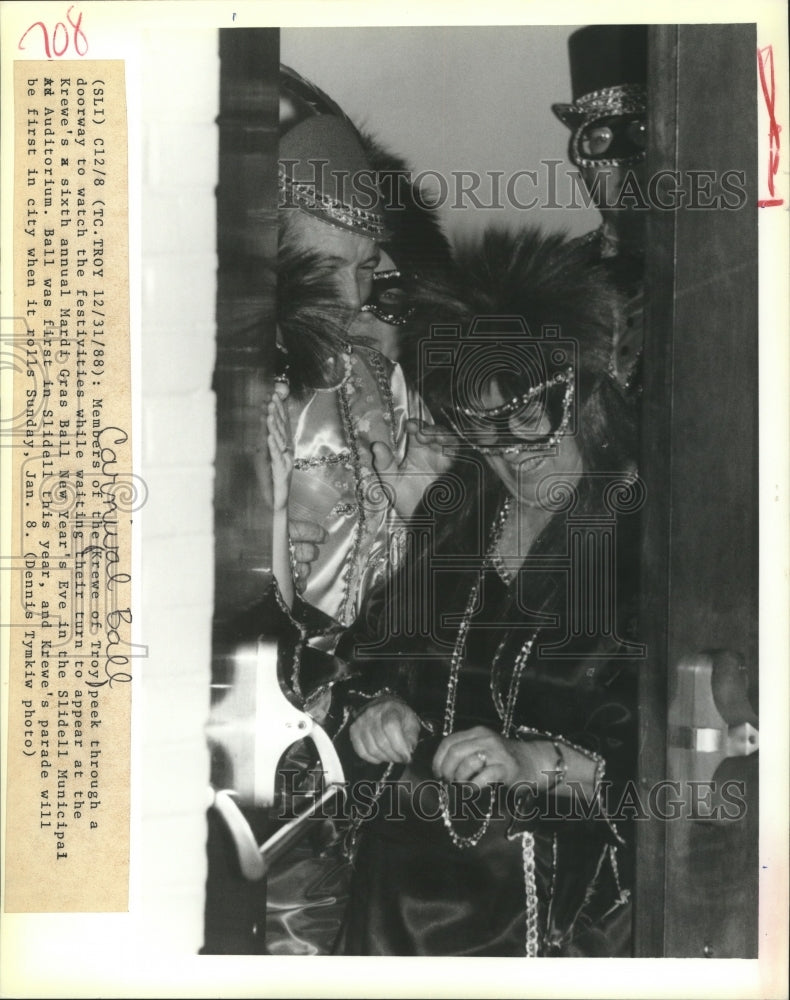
506, 714
456, 663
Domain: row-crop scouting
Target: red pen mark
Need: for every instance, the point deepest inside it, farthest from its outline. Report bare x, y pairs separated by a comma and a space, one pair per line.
60, 39
765, 61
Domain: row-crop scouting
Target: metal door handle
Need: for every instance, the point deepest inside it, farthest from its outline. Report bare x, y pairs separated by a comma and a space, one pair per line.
710, 718
253, 726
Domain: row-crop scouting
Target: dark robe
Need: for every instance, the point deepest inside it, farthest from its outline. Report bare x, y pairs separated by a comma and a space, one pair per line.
413, 892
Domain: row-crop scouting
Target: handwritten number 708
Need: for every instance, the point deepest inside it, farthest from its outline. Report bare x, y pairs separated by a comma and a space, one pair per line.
58, 43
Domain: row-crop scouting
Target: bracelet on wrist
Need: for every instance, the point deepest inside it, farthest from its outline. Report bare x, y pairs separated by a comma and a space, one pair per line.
558, 774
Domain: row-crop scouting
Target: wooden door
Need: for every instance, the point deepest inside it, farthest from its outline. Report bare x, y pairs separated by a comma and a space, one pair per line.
246, 304
696, 889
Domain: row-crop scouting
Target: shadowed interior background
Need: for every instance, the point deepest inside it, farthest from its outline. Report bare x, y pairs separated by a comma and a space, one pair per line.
456, 98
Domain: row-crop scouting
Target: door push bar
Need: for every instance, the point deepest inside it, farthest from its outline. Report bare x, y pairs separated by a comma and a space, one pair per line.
253, 726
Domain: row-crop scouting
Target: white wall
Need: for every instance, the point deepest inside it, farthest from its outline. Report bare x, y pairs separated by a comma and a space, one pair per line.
179, 174
469, 98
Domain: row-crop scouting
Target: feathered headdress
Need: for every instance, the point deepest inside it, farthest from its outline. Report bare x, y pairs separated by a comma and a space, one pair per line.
323, 169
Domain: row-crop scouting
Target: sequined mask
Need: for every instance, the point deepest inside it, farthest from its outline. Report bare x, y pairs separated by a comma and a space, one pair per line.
610, 126
390, 297
534, 421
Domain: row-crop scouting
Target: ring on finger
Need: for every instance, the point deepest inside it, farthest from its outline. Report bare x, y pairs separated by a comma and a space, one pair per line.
482, 758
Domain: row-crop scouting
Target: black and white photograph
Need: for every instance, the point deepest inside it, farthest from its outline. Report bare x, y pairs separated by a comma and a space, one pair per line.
491, 511
457, 543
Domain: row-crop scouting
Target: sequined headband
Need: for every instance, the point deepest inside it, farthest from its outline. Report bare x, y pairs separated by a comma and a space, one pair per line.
302, 194
624, 99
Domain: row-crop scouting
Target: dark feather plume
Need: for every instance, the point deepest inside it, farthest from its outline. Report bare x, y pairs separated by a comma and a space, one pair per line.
312, 325
417, 243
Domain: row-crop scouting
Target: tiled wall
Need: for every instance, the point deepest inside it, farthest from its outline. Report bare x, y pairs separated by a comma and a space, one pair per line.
179, 174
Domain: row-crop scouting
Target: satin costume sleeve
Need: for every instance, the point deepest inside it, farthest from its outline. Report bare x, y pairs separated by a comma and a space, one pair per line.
334, 485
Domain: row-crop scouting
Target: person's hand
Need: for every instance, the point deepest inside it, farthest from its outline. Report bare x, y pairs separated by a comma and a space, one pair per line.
385, 731
272, 410
306, 536
437, 439
429, 453
281, 452
483, 757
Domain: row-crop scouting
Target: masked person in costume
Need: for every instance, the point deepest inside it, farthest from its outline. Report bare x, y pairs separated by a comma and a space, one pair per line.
349, 405
493, 693
340, 431
608, 123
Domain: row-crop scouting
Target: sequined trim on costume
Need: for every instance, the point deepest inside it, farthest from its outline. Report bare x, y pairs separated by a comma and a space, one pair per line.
377, 364
344, 406
376, 694
300, 464
350, 841
505, 573
344, 509
296, 661
622, 99
600, 763
600, 768
530, 895
515, 682
456, 665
